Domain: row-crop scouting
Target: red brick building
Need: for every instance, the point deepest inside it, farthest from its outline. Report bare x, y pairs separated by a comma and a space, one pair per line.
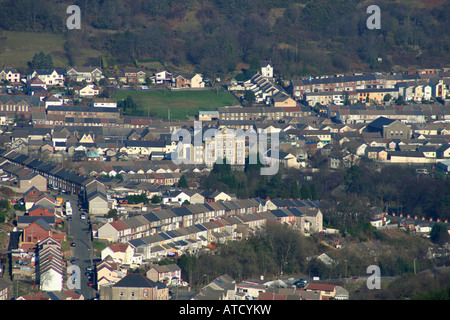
36, 231
36, 211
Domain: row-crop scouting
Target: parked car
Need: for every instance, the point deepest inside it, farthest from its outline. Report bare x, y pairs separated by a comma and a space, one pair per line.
301, 283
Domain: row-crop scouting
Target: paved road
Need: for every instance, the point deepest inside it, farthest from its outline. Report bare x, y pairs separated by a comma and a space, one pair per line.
79, 230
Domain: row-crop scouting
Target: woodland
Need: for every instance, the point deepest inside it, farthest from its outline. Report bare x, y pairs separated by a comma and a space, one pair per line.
221, 37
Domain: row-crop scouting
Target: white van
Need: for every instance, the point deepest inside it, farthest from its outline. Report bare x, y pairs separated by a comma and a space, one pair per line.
422, 171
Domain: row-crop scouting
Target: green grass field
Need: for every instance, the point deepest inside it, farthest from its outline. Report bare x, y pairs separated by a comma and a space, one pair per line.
182, 104
17, 48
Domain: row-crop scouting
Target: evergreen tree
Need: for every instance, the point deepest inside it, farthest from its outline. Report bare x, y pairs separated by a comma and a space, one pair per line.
156, 199
295, 191
41, 61
439, 234
304, 192
313, 192
183, 183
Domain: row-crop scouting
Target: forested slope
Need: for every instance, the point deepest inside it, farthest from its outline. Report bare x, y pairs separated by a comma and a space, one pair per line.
301, 37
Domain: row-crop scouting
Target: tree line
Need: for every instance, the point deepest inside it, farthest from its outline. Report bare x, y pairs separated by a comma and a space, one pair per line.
278, 250
250, 184
347, 195
301, 37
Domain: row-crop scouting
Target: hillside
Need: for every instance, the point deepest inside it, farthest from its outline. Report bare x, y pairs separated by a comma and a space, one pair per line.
215, 37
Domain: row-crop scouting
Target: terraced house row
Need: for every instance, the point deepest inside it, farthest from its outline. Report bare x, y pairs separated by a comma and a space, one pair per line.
193, 227
56, 176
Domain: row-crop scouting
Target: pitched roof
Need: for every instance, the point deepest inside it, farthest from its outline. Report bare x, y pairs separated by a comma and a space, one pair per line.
134, 280
119, 247
320, 286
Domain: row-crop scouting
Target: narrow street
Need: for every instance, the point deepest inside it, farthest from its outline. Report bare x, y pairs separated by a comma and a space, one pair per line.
79, 230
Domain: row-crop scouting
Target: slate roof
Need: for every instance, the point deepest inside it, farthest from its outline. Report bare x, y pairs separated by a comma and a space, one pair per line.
30, 219
145, 143
134, 280
380, 123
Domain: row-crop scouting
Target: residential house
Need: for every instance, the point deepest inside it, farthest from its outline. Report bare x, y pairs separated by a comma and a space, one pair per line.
171, 197
86, 74
144, 147
25, 178
36, 231
376, 153
40, 211
6, 289
113, 232
409, 157
9, 74
215, 196
50, 77
61, 115
133, 75
109, 271
52, 100
376, 216
260, 112
287, 160
221, 288
36, 84
88, 91
328, 97
168, 274
439, 88
336, 83
443, 151
275, 293
50, 265
53, 295
96, 197
208, 115
47, 201
161, 77
250, 290
135, 287
120, 253
104, 103
389, 128
31, 196
282, 100
20, 106
376, 95
267, 69
326, 290
185, 80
